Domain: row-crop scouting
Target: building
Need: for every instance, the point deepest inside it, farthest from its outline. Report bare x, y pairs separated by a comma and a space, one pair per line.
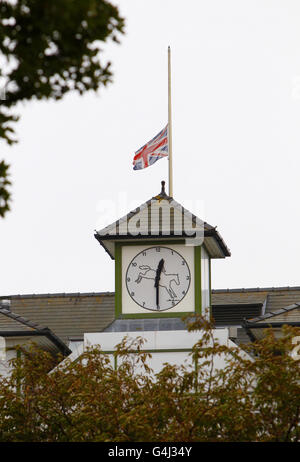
162, 256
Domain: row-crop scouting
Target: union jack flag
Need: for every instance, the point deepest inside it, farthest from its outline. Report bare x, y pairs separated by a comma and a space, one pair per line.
152, 151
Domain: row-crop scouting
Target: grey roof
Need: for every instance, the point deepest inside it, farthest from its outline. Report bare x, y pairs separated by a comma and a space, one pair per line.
70, 315
228, 297
281, 299
255, 327
271, 314
14, 325
273, 298
13, 322
213, 241
67, 315
274, 301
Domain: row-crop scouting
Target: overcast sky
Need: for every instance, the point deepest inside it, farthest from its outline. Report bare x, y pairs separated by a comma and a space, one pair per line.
236, 143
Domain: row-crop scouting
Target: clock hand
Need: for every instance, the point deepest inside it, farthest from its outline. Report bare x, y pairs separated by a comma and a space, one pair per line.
158, 271
157, 279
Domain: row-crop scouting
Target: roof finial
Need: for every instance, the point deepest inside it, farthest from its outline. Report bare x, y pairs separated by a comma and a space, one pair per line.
163, 192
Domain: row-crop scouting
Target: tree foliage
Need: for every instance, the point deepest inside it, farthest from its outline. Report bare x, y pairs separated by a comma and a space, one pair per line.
50, 47
251, 399
4, 193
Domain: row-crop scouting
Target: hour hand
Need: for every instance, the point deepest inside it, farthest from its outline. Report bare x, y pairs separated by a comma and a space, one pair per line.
158, 271
157, 279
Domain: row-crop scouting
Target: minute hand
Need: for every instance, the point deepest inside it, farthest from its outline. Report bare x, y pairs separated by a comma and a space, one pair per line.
157, 279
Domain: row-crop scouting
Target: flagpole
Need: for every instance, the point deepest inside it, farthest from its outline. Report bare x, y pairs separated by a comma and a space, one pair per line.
170, 126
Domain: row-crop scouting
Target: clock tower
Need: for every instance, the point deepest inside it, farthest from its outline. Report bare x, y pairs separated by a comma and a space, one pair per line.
162, 256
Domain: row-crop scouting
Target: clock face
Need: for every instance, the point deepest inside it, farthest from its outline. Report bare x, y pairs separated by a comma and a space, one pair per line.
158, 278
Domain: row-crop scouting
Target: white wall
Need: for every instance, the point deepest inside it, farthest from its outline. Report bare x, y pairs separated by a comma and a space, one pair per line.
4, 362
162, 342
205, 283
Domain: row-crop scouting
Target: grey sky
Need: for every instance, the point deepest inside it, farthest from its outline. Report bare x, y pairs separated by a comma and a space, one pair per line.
236, 120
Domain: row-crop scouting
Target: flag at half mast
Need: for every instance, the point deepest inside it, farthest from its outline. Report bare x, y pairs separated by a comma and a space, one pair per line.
155, 149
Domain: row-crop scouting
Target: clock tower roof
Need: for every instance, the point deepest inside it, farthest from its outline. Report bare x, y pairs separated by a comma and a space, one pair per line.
162, 218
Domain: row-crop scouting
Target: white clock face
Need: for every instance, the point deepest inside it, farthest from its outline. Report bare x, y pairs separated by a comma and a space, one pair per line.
158, 278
